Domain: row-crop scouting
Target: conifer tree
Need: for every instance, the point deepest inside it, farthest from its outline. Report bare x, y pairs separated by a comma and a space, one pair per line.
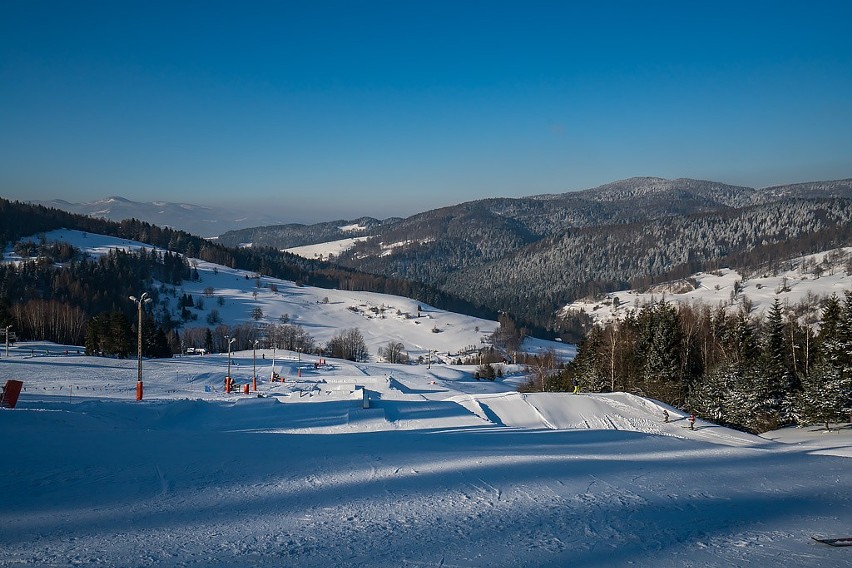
587, 363
662, 366
120, 337
827, 391
774, 382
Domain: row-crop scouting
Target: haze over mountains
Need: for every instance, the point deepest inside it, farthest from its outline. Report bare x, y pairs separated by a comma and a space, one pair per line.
201, 220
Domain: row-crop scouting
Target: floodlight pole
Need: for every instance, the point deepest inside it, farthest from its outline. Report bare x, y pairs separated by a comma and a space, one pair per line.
8, 327
230, 341
140, 301
254, 364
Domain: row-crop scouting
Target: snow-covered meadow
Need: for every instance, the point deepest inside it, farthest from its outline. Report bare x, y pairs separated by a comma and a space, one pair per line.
817, 275
372, 464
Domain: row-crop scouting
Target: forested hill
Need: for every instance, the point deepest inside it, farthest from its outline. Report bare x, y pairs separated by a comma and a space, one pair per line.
34, 279
530, 256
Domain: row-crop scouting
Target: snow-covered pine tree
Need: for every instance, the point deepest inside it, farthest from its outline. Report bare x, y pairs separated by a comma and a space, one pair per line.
774, 382
827, 392
743, 399
589, 361
662, 377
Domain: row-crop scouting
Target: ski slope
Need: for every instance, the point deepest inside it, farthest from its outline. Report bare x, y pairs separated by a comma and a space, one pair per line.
439, 470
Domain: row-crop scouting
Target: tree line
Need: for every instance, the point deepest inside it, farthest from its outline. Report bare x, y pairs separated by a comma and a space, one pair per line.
752, 373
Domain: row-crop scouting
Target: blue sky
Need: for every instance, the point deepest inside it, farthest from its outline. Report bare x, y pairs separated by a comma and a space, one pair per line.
317, 110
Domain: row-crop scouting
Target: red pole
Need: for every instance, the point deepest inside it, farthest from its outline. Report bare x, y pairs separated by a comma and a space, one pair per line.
228, 385
245, 388
254, 384
139, 390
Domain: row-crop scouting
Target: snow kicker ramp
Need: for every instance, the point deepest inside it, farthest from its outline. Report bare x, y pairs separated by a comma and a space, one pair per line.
612, 411
562, 411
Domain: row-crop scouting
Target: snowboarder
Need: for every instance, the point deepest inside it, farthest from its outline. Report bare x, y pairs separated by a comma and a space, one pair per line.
665, 415
692, 421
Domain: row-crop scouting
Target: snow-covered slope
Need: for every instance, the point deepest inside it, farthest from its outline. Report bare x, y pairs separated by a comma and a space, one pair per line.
818, 275
323, 313
325, 251
440, 470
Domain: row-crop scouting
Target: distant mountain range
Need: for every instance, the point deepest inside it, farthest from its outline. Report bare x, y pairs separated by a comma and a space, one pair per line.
525, 220
530, 256
196, 219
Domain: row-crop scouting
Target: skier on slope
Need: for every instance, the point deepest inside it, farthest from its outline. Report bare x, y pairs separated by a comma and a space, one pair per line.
692, 421
665, 415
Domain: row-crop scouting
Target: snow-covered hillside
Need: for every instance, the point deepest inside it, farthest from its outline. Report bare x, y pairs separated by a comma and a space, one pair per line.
381, 318
439, 470
818, 275
324, 251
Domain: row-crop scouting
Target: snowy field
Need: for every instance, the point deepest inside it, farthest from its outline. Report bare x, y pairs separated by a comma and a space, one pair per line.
791, 286
326, 250
440, 470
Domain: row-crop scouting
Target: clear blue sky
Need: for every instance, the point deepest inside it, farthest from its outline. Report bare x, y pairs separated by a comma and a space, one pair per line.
320, 110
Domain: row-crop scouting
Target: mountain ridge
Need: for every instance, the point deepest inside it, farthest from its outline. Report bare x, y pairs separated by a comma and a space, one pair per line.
199, 220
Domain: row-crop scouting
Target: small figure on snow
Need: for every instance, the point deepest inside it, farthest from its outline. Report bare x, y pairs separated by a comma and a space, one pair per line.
665, 415
692, 421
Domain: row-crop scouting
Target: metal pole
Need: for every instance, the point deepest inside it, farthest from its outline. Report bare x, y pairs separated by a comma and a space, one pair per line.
139, 340
229, 356
143, 299
8, 327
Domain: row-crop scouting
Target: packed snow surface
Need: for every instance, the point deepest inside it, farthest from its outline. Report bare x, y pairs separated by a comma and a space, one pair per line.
439, 470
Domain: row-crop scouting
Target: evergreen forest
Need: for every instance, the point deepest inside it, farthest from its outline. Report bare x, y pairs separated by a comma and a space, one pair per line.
754, 374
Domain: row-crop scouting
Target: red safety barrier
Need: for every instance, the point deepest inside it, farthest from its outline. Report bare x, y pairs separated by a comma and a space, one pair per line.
10, 393
246, 388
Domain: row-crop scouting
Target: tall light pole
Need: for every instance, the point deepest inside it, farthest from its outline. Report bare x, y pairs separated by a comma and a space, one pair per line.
8, 327
254, 365
143, 299
230, 342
